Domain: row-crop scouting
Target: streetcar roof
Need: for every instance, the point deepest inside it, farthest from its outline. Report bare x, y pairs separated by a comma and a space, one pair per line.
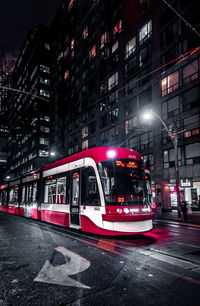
98, 154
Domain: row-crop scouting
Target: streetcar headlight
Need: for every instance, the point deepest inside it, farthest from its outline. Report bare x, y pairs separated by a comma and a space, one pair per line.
111, 153
147, 209
126, 210
134, 210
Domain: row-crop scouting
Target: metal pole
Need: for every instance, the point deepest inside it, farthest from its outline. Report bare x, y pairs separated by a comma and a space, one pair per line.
177, 168
175, 144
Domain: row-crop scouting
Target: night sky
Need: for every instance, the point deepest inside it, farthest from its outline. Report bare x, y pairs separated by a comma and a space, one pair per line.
19, 16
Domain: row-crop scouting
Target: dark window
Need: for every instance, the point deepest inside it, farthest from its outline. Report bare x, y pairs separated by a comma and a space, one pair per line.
90, 193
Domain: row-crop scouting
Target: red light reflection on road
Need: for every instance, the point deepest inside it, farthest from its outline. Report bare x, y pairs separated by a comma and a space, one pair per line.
158, 234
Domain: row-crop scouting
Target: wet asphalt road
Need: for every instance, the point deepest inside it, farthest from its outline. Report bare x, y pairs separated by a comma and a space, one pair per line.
42, 264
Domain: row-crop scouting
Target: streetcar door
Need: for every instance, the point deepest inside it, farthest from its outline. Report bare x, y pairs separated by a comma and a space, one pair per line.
75, 200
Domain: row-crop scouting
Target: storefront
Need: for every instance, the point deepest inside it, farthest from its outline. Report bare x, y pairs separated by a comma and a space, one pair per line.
189, 191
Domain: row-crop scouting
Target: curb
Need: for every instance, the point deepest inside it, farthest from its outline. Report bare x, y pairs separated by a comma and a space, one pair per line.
179, 222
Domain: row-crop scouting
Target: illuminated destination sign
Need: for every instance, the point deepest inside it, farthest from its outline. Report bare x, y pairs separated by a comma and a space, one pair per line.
128, 164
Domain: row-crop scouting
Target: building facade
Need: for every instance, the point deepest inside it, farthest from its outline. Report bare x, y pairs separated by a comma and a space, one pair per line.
29, 105
7, 62
112, 61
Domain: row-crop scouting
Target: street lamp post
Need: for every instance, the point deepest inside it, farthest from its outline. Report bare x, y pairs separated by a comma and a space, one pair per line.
174, 139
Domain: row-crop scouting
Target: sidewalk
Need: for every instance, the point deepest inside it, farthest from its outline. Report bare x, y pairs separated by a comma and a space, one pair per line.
193, 218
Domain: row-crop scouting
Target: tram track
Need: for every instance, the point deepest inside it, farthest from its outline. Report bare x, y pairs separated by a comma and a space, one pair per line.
110, 244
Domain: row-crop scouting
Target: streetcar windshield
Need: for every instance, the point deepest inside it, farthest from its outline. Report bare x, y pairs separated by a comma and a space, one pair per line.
123, 182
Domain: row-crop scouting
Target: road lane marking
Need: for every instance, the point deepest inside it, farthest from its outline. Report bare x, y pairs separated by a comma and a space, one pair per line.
59, 275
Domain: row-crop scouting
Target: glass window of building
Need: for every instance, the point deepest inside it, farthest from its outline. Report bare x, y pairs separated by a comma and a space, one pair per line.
44, 69
113, 81
190, 71
85, 145
130, 125
117, 28
85, 132
44, 93
92, 52
85, 32
70, 5
170, 83
47, 46
104, 39
43, 153
45, 81
130, 47
145, 32
115, 46
72, 44
146, 140
66, 75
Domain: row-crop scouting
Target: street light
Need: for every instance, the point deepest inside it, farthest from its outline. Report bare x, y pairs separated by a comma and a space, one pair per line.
54, 154
173, 136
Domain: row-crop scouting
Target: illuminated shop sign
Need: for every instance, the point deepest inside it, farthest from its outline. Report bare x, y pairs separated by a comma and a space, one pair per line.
186, 183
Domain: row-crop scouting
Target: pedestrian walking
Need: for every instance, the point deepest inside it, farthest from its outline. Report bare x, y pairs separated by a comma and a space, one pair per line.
199, 201
184, 209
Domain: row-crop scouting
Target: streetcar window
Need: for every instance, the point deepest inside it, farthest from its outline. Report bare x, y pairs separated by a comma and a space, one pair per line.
75, 189
90, 193
34, 192
55, 191
68, 188
61, 190
23, 193
50, 191
13, 195
29, 193
3, 197
123, 179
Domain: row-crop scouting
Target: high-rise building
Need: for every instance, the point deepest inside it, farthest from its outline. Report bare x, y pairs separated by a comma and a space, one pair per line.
115, 59
29, 105
7, 62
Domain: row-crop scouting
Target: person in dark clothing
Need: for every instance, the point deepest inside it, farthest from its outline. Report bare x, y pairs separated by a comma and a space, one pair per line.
184, 209
199, 202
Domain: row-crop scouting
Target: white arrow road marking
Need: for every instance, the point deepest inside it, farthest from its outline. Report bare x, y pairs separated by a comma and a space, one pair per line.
60, 274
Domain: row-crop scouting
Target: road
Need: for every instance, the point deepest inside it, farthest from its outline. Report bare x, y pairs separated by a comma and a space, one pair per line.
42, 264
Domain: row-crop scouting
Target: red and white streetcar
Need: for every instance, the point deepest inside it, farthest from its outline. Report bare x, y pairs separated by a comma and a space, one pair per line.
101, 190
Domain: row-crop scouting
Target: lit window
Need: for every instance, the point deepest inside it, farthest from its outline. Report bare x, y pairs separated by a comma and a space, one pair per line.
104, 39
130, 124
70, 5
44, 93
66, 75
190, 72
85, 145
117, 28
44, 129
113, 81
130, 47
45, 81
170, 83
44, 68
43, 153
44, 141
92, 52
187, 134
72, 44
47, 46
195, 132
85, 132
145, 32
85, 32
115, 47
